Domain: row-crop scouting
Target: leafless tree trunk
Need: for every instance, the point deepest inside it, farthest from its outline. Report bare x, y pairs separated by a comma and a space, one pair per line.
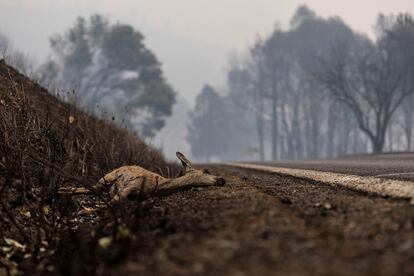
408, 112
259, 113
370, 81
331, 129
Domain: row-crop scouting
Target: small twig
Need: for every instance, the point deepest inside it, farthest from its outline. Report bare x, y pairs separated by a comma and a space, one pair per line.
141, 192
10, 215
6, 183
156, 187
161, 172
74, 178
59, 172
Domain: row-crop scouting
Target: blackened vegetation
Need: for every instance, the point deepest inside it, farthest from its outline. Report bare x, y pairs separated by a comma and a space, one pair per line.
46, 144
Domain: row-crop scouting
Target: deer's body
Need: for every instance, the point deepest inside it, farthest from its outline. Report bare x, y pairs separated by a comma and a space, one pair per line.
132, 181
129, 180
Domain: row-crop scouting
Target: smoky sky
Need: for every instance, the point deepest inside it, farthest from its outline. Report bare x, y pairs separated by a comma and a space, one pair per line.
192, 38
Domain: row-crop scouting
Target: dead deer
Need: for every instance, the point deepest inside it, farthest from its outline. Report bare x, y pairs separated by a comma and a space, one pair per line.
129, 182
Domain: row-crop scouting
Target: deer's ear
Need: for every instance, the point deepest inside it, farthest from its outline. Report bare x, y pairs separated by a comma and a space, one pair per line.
186, 164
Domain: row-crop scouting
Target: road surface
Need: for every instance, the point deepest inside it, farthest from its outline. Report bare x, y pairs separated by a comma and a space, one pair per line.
392, 166
262, 223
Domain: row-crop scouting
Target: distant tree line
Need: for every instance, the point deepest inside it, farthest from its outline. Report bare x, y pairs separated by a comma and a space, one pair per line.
14, 57
112, 73
318, 89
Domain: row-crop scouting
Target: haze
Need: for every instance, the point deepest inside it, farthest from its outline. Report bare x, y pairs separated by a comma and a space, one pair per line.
194, 40
191, 38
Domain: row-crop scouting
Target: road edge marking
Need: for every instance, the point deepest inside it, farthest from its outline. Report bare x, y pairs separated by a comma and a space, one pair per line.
369, 184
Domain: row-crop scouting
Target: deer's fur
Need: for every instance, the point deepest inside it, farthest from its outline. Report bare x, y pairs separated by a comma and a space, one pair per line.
135, 181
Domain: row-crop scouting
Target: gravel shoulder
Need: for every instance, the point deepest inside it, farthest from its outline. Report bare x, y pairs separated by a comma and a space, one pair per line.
265, 224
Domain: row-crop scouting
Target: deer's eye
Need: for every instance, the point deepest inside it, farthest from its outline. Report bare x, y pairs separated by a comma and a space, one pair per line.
206, 171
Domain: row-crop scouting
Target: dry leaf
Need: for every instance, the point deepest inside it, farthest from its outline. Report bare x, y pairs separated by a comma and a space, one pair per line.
6, 249
46, 210
124, 232
24, 212
105, 242
14, 243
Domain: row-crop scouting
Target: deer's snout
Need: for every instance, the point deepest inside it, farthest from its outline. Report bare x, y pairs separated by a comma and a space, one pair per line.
220, 181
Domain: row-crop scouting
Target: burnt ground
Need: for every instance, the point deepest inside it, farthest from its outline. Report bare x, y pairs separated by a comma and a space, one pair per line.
265, 224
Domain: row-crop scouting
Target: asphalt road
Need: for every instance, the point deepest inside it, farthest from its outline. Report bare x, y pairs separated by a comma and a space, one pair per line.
393, 166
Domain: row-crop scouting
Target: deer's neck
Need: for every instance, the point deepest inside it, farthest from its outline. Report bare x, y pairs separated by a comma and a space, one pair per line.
171, 185
174, 182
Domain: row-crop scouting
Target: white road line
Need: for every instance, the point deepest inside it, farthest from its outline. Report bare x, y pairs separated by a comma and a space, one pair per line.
394, 174
373, 185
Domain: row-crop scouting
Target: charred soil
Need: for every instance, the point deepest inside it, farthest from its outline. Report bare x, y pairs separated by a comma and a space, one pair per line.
263, 224
46, 144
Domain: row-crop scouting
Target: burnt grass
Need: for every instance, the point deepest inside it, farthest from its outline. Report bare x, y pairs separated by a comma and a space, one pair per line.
46, 144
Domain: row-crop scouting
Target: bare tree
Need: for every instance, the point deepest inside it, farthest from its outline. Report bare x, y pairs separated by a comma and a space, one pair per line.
257, 73
407, 120
4, 46
401, 30
247, 87
371, 79
322, 90
14, 57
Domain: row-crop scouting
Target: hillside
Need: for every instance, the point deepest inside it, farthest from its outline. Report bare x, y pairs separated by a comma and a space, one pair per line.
46, 144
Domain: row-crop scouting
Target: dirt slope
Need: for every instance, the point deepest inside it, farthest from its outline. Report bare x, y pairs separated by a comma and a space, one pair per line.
46, 144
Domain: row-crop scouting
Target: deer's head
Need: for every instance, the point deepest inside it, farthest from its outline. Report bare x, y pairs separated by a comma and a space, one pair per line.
199, 177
